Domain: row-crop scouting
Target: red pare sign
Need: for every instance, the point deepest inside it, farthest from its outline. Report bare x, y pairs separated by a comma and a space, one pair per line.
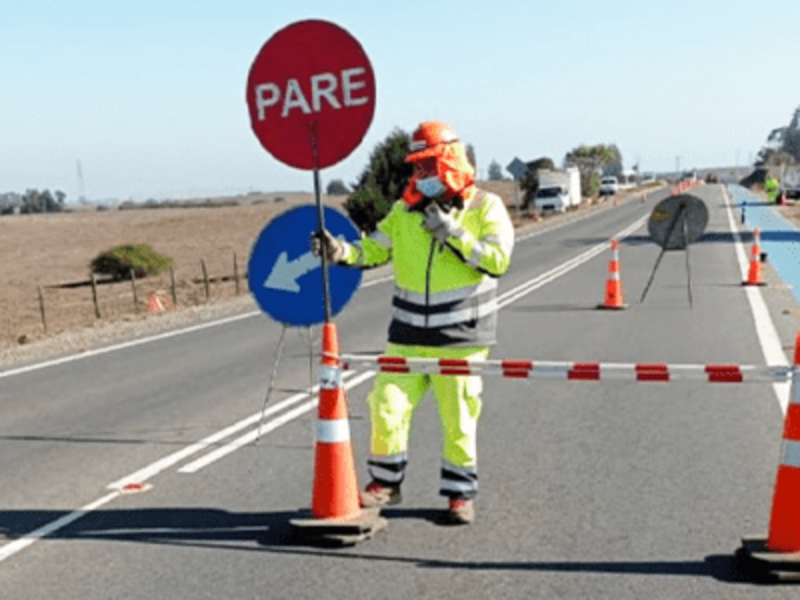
311, 94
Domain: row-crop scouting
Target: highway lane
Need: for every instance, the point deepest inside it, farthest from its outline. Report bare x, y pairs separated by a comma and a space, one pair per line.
588, 489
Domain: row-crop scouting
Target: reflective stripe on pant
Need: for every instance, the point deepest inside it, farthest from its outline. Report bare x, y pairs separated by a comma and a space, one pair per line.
396, 397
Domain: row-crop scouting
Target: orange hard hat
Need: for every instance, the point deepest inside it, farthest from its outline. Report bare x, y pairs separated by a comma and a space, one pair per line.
428, 138
436, 139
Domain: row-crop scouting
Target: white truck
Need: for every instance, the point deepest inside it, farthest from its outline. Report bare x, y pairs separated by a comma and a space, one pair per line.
558, 190
790, 182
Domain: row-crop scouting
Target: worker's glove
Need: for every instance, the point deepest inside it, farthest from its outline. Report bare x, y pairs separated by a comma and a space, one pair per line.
334, 249
441, 224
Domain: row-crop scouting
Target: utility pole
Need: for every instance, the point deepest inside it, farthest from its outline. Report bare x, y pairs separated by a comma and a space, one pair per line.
81, 186
678, 166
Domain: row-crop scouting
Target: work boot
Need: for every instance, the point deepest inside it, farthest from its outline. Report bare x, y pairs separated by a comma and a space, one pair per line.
461, 511
376, 495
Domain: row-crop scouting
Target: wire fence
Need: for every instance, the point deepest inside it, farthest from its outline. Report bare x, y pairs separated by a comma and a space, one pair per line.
47, 309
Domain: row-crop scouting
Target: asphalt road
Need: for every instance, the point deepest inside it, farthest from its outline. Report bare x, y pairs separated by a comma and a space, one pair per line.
588, 489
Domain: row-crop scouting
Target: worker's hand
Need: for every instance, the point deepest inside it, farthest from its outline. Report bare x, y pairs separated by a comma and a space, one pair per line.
441, 224
334, 249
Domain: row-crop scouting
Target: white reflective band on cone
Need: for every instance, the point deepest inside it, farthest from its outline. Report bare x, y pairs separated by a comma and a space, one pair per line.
791, 454
795, 399
332, 432
330, 377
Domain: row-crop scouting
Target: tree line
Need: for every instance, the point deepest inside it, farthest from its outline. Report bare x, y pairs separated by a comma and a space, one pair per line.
32, 201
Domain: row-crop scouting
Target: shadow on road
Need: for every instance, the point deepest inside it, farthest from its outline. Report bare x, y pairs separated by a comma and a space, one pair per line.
709, 237
271, 532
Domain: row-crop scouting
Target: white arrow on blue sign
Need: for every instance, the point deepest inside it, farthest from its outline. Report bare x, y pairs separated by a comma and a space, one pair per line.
286, 278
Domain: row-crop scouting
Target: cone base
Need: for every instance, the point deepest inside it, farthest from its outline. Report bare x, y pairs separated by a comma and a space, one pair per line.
765, 564
760, 283
612, 306
339, 532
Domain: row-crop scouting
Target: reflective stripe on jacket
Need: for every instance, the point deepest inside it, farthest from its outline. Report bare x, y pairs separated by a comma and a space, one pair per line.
444, 295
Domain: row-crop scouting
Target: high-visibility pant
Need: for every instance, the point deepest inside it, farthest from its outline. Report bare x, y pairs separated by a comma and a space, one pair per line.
393, 401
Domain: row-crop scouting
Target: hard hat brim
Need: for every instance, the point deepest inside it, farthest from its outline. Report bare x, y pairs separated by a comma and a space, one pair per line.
423, 154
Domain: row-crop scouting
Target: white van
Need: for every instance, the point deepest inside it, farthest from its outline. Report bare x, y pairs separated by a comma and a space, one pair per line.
609, 186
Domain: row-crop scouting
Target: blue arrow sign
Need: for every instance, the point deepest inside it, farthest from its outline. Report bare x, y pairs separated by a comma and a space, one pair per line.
286, 278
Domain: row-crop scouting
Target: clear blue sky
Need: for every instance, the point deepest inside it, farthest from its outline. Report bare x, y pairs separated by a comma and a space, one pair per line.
149, 95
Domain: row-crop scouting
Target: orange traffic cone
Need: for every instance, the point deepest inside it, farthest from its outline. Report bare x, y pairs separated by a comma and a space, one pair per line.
754, 275
154, 304
335, 493
335, 507
780, 551
784, 528
613, 298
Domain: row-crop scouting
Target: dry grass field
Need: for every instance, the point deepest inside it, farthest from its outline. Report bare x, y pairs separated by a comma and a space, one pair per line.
45, 251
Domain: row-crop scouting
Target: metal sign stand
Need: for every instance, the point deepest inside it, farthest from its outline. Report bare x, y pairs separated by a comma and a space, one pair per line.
664, 249
687, 213
272, 387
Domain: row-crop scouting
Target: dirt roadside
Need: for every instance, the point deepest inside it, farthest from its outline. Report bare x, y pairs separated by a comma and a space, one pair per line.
42, 251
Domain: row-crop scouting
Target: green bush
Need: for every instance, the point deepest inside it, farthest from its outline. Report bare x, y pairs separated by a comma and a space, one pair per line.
119, 261
382, 182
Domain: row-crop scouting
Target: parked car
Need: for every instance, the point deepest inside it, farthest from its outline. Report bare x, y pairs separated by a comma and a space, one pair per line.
609, 186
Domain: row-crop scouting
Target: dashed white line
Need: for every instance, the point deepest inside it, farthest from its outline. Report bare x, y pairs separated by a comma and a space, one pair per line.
252, 436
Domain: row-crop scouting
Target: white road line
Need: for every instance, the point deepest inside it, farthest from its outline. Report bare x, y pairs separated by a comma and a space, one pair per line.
146, 473
252, 436
150, 471
29, 538
767, 335
124, 345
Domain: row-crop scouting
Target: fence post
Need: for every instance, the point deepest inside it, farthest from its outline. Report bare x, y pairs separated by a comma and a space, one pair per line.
236, 273
172, 277
41, 308
133, 286
94, 296
205, 279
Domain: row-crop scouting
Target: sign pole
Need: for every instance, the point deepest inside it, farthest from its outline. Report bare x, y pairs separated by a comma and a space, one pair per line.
326, 295
313, 79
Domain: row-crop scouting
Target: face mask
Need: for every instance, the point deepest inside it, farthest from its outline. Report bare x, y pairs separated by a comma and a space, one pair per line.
431, 187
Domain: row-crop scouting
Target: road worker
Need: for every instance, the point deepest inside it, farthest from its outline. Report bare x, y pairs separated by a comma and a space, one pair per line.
448, 242
771, 187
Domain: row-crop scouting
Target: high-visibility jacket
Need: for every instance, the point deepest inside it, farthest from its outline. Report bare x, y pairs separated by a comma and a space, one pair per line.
445, 294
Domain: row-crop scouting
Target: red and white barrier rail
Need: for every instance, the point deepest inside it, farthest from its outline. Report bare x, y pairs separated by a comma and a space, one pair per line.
574, 371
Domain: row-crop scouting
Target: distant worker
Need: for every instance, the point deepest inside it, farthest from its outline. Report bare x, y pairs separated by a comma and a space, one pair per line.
448, 242
771, 187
